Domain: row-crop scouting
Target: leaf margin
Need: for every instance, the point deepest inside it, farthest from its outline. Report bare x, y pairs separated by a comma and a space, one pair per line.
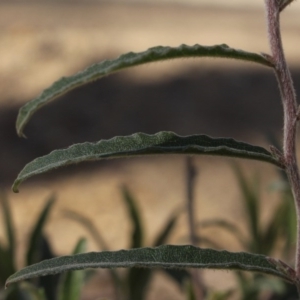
173, 255
128, 60
164, 142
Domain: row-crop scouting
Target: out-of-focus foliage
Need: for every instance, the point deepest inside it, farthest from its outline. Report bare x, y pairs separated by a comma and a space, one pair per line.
38, 248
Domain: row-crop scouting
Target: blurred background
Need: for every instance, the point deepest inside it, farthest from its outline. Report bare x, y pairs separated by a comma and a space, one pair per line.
41, 41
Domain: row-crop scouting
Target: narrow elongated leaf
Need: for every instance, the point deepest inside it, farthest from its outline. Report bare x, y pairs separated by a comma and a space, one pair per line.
208, 242
7, 253
126, 61
190, 293
251, 196
167, 229
89, 226
72, 282
227, 225
48, 283
179, 276
134, 216
9, 228
166, 256
143, 144
138, 282
34, 247
7, 265
97, 236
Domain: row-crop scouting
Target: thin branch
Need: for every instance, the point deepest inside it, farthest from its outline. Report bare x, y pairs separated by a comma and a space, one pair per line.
283, 4
197, 281
290, 108
191, 174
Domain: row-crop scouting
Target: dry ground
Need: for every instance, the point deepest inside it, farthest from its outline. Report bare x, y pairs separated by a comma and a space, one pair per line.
42, 42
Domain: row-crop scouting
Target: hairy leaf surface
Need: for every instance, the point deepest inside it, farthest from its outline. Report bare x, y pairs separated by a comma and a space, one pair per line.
166, 256
143, 144
72, 283
128, 60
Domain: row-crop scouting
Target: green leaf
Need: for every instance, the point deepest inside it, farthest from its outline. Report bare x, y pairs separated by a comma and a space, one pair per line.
138, 282
72, 283
190, 293
128, 60
227, 225
272, 233
89, 226
208, 242
180, 276
24, 291
166, 256
282, 226
97, 236
143, 144
137, 279
251, 196
33, 254
134, 214
167, 230
7, 265
7, 253
222, 295
8, 225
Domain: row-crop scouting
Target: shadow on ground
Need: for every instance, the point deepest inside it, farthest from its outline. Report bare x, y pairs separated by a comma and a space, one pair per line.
240, 104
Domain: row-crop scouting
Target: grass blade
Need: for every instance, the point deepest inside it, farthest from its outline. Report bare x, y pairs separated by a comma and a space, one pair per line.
7, 265
166, 256
33, 254
227, 225
97, 236
143, 144
89, 226
167, 229
137, 279
48, 283
138, 282
251, 196
7, 254
178, 275
281, 226
134, 214
72, 283
128, 60
8, 225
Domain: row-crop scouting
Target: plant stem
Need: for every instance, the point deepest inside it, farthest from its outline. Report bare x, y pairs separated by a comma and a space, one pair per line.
191, 174
290, 108
197, 281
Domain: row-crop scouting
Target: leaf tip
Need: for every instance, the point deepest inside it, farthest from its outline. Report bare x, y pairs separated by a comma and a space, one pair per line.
21, 122
19, 129
7, 283
22, 135
15, 186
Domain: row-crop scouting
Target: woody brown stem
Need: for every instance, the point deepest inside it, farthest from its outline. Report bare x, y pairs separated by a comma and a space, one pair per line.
290, 109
